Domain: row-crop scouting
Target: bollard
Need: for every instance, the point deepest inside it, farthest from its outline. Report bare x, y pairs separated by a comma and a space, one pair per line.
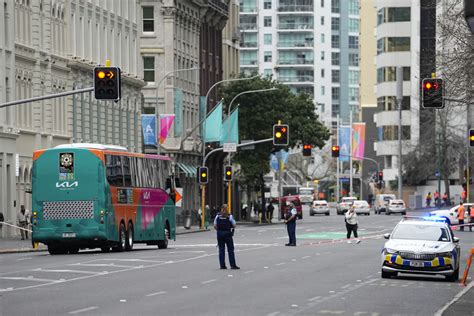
187, 222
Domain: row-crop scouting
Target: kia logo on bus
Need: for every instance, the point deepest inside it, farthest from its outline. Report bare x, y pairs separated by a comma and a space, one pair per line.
67, 184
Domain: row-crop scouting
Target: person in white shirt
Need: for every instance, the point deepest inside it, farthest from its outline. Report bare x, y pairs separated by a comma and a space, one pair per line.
23, 218
351, 224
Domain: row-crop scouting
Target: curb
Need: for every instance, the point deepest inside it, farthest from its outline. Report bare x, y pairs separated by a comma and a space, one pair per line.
454, 300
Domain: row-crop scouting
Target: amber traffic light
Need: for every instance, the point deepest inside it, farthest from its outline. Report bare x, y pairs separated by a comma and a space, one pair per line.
228, 173
203, 175
335, 151
432, 93
107, 83
280, 134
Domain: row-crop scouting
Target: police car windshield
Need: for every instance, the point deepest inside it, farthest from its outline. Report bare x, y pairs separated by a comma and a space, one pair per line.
421, 232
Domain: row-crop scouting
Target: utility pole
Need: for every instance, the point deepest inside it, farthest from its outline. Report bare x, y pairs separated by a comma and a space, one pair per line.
337, 164
351, 191
399, 101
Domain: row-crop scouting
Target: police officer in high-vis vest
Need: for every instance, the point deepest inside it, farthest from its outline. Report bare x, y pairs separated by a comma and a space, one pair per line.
224, 223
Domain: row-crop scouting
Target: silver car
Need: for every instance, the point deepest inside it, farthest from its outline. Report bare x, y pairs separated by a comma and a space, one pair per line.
361, 207
396, 206
423, 246
319, 207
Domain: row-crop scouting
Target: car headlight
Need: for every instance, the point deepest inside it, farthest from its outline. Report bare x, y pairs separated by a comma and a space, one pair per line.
448, 254
389, 251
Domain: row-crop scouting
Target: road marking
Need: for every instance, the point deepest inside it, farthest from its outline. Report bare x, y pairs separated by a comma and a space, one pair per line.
265, 267
346, 286
332, 291
294, 305
184, 287
30, 278
250, 271
84, 310
314, 298
293, 259
273, 314
123, 301
209, 281
305, 257
281, 263
68, 271
230, 276
102, 265
156, 293
27, 258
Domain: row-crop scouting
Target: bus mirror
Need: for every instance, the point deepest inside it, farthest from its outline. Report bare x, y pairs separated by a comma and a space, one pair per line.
177, 182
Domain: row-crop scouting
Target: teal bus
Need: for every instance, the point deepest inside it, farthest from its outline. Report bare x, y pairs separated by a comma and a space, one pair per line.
100, 196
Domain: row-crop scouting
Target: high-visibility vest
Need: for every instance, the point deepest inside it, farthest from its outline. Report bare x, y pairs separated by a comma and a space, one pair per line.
471, 213
461, 211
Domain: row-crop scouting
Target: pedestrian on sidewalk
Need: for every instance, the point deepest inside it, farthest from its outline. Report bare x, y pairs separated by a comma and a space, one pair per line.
428, 199
471, 217
461, 211
351, 224
290, 221
23, 220
270, 209
436, 198
225, 224
445, 199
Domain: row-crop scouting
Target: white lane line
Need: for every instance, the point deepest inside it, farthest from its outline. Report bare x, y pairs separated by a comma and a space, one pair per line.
314, 298
273, 314
103, 265
131, 260
123, 301
281, 263
250, 271
156, 293
27, 258
84, 310
305, 257
184, 287
29, 279
69, 271
346, 286
265, 267
208, 281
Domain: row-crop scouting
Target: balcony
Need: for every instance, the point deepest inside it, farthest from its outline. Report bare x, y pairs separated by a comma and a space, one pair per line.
295, 62
248, 62
248, 26
296, 26
248, 9
248, 45
307, 79
296, 44
298, 8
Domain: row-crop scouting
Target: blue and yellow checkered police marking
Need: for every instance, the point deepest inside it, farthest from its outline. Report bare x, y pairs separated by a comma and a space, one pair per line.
436, 262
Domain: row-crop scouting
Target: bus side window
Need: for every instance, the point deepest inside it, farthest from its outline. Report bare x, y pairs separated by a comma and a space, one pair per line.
114, 170
127, 176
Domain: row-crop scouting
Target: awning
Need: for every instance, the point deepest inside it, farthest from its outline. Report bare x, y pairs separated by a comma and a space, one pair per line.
189, 170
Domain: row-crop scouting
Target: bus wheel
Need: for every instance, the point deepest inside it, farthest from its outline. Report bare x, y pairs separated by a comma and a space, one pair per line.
105, 249
122, 239
73, 250
56, 250
129, 243
163, 244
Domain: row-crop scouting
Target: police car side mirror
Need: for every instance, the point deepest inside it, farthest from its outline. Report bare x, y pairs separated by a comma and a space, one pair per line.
456, 239
386, 236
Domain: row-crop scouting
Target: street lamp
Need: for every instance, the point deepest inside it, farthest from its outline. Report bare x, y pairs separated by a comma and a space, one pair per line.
247, 92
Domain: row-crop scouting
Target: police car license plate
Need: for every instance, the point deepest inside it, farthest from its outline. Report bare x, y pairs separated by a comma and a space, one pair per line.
416, 263
69, 235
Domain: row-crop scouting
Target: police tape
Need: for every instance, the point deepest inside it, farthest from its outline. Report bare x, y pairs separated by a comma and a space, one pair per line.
21, 228
455, 227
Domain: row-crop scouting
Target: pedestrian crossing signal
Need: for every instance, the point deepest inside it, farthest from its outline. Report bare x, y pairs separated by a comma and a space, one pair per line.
107, 83
203, 175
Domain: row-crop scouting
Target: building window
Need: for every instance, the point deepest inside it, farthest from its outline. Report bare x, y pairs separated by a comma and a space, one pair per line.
335, 24
393, 44
335, 92
323, 38
389, 103
322, 73
354, 94
267, 21
335, 74
267, 57
322, 3
335, 6
267, 4
335, 59
386, 74
322, 55
354, 42
148, 19
322, 20
353, 77
267, 39
354, 7
335, 41
335, 110
390, 132
354, 25
149, 69
388, 15
267, 72
323, 90
354, 59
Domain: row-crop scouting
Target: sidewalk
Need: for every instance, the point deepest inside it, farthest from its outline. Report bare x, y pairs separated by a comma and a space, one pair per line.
461, 304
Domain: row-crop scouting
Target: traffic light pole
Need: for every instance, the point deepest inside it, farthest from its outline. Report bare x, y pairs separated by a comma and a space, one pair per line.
337, 164
46, 97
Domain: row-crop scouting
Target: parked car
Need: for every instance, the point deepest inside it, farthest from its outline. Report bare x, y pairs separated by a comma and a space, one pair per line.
344, 205
319, 207
381, 201
361, 207
421, 246
306, 195
451, 215
396, 206
284, 205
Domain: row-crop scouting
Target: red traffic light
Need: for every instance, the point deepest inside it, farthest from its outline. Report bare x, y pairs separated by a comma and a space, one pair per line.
335, 151
307, 150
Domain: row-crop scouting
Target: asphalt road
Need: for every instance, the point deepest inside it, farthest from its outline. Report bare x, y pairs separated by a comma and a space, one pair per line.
322, 275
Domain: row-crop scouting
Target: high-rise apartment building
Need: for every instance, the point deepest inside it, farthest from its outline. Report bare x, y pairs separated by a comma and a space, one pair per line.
310, 45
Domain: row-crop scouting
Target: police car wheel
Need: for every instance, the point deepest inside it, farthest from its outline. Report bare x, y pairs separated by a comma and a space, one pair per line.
388, 275
453, 277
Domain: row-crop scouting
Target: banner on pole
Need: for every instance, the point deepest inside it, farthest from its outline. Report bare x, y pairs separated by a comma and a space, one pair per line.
358, 140
344, 143
230, 128
149, 129
213, 125
178, 111
166, 120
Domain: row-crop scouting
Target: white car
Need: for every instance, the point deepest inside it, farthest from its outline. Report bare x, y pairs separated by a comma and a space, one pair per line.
451, 215
361, 207
396, 206
344, 205
319, 207
422, 246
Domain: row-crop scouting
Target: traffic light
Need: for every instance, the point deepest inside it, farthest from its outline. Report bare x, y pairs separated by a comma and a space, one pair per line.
432, 96
380, 176
307, 150
203, 175
280, 134
335, 151
471, 137
228, 173
107, 83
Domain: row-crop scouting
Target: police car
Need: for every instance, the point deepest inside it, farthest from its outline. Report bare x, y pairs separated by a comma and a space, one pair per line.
422, 245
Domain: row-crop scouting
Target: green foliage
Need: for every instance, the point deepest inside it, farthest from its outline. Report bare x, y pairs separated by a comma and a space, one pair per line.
258, 112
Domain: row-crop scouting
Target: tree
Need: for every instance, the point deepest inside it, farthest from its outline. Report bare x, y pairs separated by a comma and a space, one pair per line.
258, 112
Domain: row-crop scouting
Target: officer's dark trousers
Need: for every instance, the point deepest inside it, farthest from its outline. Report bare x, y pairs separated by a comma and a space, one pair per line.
291, 228
225, 238
461, 222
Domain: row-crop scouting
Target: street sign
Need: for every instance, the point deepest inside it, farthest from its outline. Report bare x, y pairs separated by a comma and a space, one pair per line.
230, 147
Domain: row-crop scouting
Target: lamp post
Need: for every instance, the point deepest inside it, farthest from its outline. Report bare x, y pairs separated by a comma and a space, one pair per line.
229, 184
158, 89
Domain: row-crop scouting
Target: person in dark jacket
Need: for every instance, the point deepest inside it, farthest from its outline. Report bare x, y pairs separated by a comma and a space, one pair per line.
224, 223
290, 221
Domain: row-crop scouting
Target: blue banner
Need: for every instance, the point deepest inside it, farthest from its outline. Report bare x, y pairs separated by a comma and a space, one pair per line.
178, 111
230, 128
202, 112
149, 129
274, 162
213, 125
344, 143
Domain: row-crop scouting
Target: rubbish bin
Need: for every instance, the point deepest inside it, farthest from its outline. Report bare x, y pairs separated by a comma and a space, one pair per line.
187, 220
